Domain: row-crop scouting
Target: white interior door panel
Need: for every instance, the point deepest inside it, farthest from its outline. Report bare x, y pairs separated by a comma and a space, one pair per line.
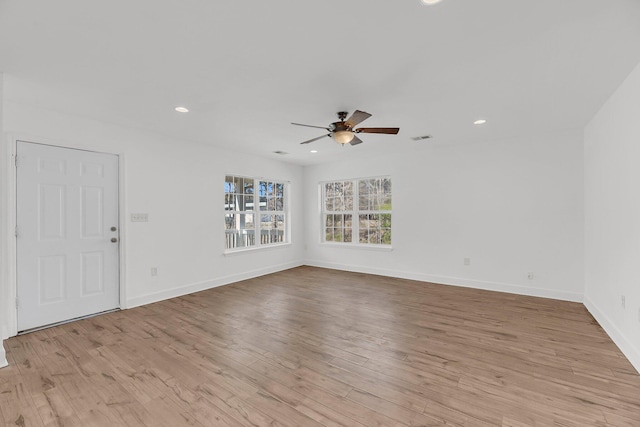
68, 234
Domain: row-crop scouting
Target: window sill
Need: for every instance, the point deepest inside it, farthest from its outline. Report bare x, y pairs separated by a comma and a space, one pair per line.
233, 252
367, 247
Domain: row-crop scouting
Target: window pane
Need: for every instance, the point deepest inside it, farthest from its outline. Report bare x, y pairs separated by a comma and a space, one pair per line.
239, 230
237, 184
385, 220
328, 234
386, 236
347, 235
279, 204
348, 189
229, 221
248, 186
385, 202
374, 201
328, 220
363, 222
266, 225
279, 230
248, 221
328, 203
228, 184
363, 202
263, 190
337, 220
364, 236
238, 202
348, 203
386, 186
328, 190
248, 203
348, 221
363, 188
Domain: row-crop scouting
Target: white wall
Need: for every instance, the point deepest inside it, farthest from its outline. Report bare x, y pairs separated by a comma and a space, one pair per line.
512, 207
612, 216
4, 294
180, 185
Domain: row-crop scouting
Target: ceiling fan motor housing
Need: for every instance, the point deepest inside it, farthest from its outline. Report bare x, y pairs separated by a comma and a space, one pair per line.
340, 126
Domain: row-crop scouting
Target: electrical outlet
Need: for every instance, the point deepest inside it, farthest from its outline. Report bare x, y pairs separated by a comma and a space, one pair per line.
623, 301
530, 275
467, 261
154, 271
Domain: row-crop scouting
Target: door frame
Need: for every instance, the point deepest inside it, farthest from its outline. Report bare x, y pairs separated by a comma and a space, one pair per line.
11, 203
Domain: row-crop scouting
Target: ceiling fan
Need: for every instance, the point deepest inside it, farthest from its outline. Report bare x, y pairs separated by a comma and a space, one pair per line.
343, 132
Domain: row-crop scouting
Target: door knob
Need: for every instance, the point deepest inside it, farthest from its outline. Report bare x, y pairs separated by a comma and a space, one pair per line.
114, 240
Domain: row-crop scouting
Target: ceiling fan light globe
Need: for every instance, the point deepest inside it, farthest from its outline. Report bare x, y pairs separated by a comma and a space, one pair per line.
343, 136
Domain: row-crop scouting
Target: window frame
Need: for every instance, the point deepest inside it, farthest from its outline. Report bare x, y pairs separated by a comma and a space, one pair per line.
257, 213
355, 213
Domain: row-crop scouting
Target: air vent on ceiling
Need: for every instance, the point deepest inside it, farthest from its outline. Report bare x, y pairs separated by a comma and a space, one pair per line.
420, 138
282, 153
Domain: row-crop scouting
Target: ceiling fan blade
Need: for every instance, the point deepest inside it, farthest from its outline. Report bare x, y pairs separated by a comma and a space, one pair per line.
357, 117
315, 139
355, 140
388, 131
311, 126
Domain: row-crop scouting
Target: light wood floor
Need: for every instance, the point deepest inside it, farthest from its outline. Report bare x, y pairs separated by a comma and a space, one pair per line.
312, 347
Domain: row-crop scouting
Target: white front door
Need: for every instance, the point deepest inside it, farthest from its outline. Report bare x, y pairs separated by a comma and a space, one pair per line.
67, 235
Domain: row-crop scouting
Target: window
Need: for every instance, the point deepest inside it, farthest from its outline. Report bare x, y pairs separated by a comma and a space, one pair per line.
357, 211
254, 208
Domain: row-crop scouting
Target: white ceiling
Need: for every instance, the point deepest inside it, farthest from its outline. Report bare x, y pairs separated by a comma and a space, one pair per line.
246, 69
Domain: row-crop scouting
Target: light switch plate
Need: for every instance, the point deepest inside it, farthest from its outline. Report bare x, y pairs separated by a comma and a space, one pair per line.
139, 217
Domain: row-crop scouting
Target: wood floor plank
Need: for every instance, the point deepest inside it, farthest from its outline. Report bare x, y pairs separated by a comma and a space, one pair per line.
233, 410
317, 347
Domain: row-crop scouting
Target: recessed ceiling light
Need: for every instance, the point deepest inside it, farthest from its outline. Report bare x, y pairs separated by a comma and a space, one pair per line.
313, 151
182, 109
480, 122
430, 2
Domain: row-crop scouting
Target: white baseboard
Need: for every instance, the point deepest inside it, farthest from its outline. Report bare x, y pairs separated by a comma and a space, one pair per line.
455, 281
626, 347
208, 284
3, 356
